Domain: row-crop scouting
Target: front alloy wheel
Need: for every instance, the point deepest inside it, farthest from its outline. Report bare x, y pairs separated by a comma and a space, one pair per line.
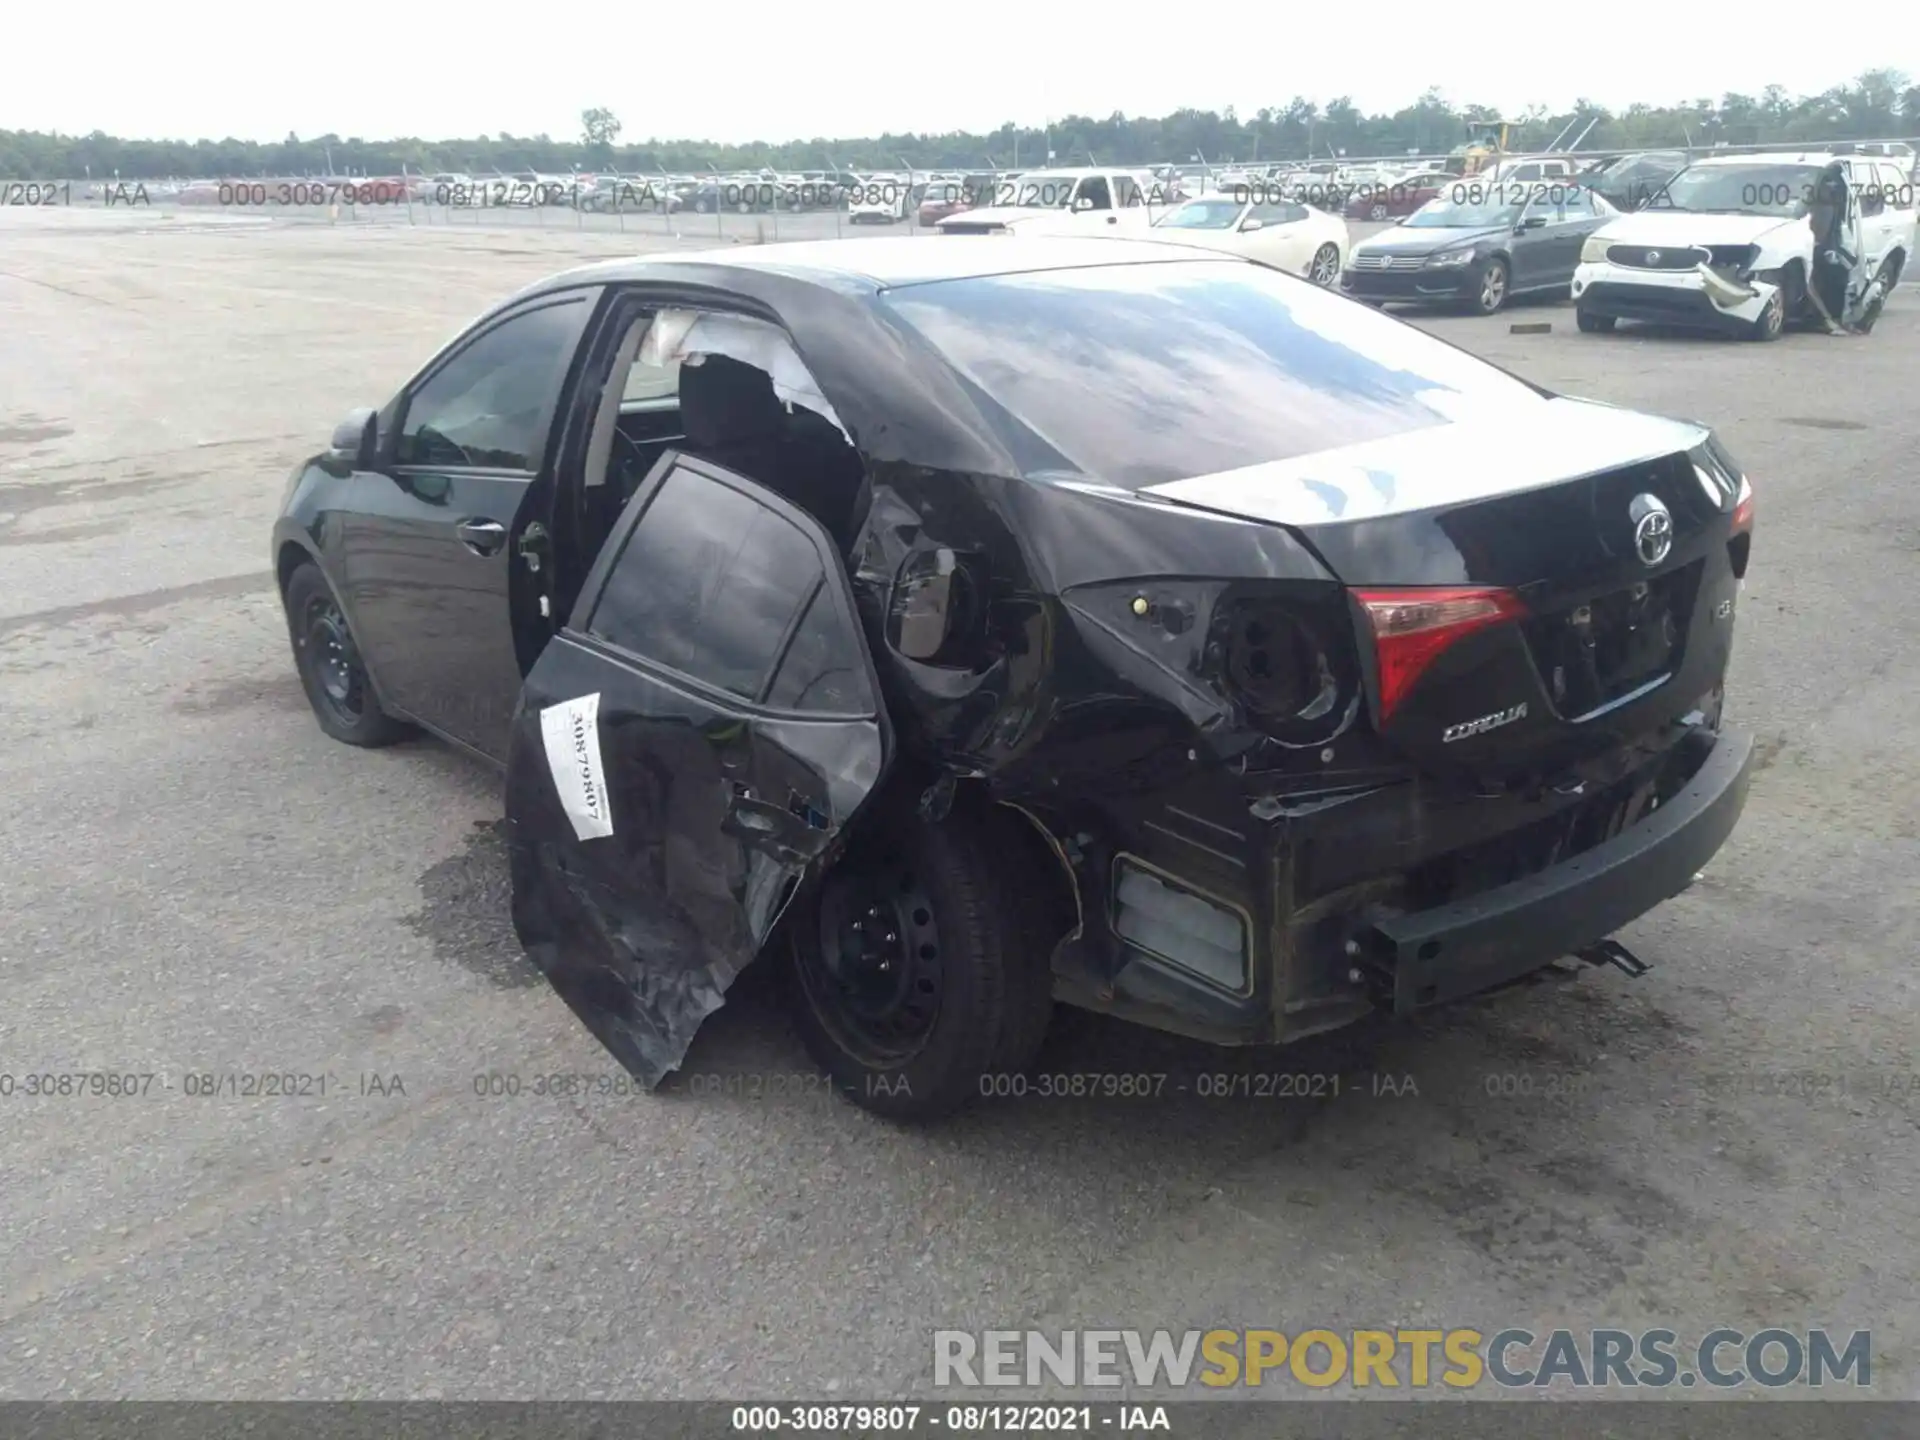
1493, 287
1771, 320
1325, 269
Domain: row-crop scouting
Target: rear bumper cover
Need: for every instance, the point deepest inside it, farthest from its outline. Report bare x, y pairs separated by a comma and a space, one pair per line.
1504, 934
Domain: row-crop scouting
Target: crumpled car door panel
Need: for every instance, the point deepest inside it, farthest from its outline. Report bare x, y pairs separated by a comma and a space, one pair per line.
658, 828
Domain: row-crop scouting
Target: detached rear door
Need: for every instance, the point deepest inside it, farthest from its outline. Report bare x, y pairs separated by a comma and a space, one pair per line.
687, 751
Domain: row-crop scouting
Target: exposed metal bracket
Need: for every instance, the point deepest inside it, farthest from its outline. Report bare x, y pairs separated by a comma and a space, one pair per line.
1612, 952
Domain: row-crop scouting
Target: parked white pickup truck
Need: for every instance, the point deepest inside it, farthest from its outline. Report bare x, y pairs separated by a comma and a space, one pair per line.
1065, 202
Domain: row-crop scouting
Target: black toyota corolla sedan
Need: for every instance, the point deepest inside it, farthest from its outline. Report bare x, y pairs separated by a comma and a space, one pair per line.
975, 627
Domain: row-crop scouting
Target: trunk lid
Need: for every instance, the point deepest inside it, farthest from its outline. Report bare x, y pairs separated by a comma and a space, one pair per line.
1625, 622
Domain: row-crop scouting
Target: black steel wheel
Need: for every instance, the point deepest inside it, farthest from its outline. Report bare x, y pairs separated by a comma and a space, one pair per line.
876, 964
917, 971
330, 666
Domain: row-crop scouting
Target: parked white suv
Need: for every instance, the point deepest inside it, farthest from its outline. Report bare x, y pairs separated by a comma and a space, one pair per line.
1729, 244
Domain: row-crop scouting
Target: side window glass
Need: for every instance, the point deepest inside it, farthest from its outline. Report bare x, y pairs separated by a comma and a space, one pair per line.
1094, 189
1129, 191
824, 669
490, 405
710, 583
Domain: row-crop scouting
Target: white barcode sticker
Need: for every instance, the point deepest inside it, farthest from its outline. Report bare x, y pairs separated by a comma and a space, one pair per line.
571, 731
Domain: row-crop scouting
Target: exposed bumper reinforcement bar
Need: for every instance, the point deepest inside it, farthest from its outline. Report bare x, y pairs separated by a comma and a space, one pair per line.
1491, 939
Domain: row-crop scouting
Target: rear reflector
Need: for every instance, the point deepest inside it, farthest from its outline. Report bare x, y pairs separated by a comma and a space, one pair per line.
1412, 628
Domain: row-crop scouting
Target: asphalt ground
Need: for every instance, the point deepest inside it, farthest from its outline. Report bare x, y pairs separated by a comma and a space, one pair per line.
195, 882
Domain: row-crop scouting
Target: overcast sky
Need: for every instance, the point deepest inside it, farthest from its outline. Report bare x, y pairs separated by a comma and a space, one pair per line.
373, 69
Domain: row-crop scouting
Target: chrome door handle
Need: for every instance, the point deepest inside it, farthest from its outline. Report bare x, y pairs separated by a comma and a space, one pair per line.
483, 537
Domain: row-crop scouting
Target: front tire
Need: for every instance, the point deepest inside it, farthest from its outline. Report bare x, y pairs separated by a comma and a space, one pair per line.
916, 973
1772, 320
1593, 324
1377, 212
330, 667
1324, 270
1492, 294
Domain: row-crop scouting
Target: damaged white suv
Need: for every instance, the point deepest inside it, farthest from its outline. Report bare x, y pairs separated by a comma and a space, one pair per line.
1747, 243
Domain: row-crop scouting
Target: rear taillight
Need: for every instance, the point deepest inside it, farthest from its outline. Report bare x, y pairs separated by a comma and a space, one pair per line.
1740, 542
1743, 507
1413, 628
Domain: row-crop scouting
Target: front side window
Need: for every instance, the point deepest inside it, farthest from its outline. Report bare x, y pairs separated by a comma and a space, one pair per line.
714, 584
490, 406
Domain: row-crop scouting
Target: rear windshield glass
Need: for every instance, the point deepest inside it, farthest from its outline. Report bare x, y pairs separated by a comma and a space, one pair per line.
1141, 374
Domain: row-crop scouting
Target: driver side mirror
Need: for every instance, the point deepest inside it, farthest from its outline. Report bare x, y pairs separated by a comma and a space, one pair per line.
1252, 224
355, 436
1083, 203
1531, 222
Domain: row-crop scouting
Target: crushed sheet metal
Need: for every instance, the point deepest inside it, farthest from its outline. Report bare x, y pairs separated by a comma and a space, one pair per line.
1438, 466
571, 732
640, 977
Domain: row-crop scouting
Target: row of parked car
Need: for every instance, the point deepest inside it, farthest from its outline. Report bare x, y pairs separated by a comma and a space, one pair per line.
1743, 243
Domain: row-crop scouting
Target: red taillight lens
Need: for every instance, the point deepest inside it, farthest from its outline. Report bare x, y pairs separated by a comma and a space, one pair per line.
1411, 628
1743, 508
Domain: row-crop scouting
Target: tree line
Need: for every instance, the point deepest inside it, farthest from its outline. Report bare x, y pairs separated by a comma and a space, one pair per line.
1879, 104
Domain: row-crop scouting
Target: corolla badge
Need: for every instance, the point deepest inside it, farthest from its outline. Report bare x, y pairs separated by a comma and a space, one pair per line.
1485, 723
1652, 528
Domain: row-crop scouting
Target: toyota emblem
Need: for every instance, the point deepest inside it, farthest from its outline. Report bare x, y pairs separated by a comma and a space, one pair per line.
1653, 257
1652, 528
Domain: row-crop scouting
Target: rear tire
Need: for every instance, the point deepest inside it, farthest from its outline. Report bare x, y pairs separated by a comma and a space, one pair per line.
331, 670
917, 970
1593, 324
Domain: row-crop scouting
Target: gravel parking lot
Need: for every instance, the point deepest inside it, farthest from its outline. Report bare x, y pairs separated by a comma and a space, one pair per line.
197, 882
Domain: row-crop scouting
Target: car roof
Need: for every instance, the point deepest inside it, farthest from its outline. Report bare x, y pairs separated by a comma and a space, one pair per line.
1772, 157
881, 264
